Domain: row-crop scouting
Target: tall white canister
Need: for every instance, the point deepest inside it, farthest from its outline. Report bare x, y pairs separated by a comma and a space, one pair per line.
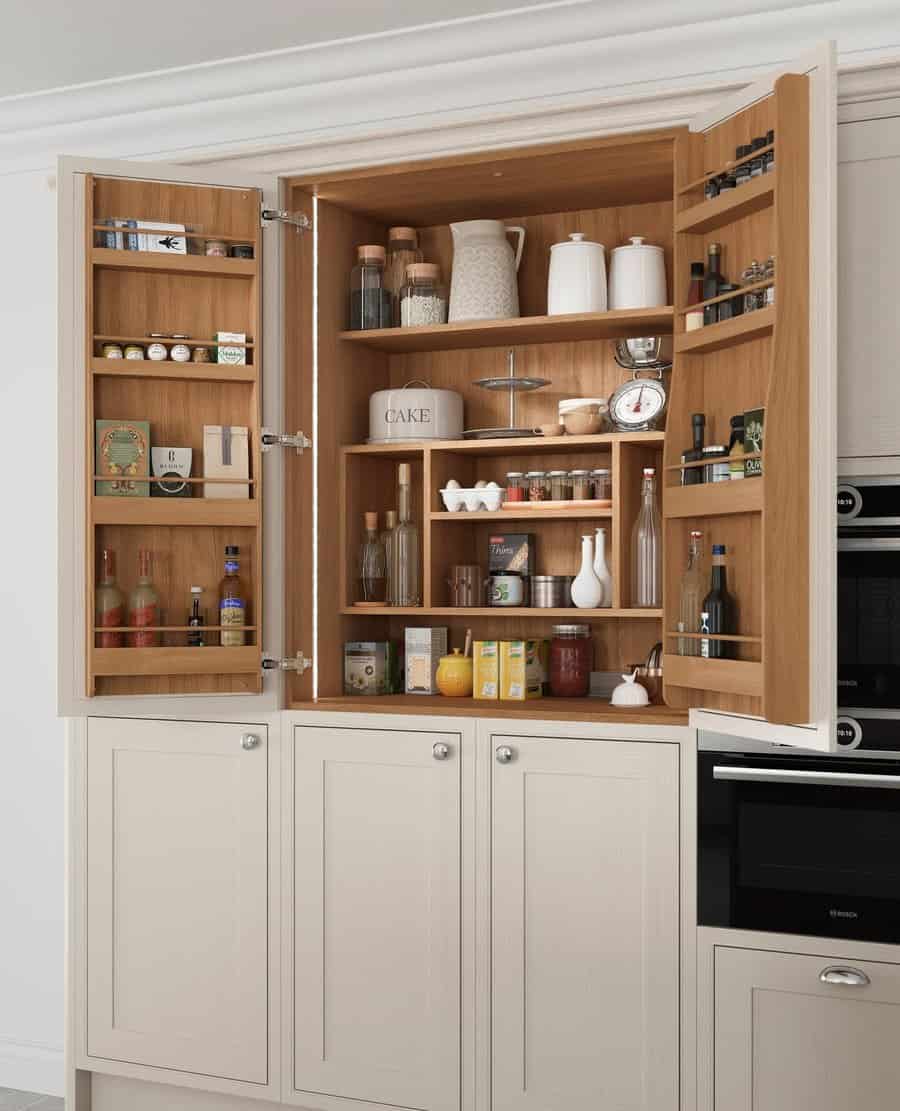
637, 276
577, 280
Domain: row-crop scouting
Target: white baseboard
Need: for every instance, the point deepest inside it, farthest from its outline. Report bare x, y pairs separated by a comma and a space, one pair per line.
32, 1068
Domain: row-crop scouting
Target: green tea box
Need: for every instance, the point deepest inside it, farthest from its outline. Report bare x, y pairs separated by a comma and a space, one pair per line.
122, 458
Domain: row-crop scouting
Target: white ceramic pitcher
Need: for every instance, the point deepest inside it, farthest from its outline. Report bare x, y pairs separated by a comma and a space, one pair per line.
484, 285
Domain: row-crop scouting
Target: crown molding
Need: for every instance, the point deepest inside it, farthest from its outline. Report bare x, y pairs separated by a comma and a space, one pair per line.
548, 68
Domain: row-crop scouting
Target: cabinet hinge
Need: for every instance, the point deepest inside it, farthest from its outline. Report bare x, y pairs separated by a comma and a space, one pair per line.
280, 215
297, 440
299, 663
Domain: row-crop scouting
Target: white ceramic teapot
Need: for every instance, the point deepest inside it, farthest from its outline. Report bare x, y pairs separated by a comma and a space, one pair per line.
484, 285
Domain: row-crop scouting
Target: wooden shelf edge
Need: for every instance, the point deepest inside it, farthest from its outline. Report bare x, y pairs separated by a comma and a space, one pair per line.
176, 661
445, 517
513, 446
168, 368
713, 499
571, 612
722, 676
238, 512
727, 333
111, 259
731, 205
615, 324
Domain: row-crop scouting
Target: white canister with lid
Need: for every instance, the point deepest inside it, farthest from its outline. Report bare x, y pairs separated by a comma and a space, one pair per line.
577, 280
637, 276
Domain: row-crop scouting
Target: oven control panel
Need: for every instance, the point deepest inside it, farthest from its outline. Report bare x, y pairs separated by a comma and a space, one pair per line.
869, 501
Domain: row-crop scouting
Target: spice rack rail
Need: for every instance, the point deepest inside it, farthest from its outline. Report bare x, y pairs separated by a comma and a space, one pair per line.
168, 368
730, 164
713, 499
110, 258
726, 333
238, 512
728, 207
735, 677
210, 660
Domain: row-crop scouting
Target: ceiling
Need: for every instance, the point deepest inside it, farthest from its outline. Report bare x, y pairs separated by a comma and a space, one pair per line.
55, 43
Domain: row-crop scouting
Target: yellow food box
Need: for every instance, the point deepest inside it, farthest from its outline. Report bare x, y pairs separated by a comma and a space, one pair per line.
485, 669
521, 670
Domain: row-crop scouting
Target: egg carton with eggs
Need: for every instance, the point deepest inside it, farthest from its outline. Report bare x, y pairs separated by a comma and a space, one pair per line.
483, 495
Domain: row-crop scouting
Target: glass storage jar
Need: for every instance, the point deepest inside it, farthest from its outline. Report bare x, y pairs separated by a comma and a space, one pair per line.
403, 249
560, 485
515, 486
370, 302
601, 483
538, 486
571, 661
581, 485
423, 299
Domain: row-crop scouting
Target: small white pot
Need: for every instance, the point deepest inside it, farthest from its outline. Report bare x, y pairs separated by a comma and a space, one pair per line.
637, 276
577, 280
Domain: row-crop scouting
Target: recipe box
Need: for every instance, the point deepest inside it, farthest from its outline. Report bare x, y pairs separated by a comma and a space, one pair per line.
424, 648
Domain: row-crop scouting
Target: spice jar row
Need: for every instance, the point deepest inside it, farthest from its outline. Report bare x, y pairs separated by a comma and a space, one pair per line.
751, 161
394, 287
710, 282
226, 347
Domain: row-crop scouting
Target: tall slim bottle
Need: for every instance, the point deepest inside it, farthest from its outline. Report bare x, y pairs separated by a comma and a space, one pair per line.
372, 570
718, 606
405, 549
143, 606
646, 548
232, 601
110, 604
712, 282
693, 585
387, 540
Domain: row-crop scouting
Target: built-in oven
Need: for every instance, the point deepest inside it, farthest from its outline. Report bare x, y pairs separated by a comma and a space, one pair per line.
798, 843
868, 599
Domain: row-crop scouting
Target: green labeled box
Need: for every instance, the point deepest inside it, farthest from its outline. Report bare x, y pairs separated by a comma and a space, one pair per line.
754, 434
122, 458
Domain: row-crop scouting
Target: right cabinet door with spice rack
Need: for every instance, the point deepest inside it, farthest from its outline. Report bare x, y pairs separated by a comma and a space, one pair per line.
749, 592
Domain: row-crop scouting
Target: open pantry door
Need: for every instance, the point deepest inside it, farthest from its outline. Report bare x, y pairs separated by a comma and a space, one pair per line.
773, 674
170, 498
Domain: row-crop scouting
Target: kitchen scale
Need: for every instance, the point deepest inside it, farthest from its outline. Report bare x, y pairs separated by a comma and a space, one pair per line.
514, 385
639, 405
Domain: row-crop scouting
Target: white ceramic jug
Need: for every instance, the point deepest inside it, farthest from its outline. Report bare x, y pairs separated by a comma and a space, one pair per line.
637, 276
484, 285
577, 280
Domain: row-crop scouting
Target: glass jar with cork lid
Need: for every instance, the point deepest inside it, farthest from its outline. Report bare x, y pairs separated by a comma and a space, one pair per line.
403, 250
423, 298
370, 301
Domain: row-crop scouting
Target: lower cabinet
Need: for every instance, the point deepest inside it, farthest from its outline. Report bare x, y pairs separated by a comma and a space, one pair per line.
585, 925
798, 1031
376, 897
177, 896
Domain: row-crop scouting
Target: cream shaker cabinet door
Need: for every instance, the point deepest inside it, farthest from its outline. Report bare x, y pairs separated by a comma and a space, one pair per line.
177, 918
795, 1031
585, 925
377, 916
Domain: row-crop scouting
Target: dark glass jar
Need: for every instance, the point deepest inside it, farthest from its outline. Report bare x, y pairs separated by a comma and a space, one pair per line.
571, 661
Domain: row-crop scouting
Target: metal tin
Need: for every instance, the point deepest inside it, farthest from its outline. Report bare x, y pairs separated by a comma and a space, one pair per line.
582, 489
112, 351
134, 351
571, 630
538, 486
551, 591
216, 248
560, 486
241, 250
601, 483
715, 471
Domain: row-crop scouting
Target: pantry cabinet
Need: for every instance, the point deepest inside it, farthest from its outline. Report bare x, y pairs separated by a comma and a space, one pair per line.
797, 1030
305, 383
585, 924
176, 895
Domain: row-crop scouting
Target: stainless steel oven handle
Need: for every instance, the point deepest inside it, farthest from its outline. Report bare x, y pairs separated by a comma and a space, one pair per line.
800, 775
869, 544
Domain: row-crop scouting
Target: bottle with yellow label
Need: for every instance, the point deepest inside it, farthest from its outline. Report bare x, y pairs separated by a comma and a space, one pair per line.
232, 601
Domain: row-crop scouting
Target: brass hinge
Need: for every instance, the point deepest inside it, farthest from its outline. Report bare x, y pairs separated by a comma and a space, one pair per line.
280, 215
298, 663
299, 441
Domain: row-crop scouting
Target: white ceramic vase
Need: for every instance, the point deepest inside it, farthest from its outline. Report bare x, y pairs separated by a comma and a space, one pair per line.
587, 591
601, 570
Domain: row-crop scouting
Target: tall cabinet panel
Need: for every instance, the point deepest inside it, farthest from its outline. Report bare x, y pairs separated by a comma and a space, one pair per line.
177, 896
585, 924
376, 943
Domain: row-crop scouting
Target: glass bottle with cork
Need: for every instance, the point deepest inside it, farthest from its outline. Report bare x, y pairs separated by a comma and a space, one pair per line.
405, 548
387, 542
646, 548
143, 606
693, 583
372, 571
232, 602
403, 249
109, 602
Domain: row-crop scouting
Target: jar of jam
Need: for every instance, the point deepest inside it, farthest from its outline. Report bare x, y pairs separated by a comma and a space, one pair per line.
601, 483
571, 661
560, 486
515, 486
538, 486
581, 485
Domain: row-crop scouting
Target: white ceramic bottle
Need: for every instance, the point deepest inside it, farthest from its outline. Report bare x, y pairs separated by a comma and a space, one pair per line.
601, 570
587, 591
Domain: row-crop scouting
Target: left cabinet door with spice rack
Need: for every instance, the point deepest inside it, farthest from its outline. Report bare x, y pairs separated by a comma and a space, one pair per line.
169, 370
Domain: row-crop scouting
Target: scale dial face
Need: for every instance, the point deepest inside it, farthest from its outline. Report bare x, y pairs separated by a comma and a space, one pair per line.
637, 405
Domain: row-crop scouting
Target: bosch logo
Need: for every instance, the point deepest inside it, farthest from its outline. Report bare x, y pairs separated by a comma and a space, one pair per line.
834, 912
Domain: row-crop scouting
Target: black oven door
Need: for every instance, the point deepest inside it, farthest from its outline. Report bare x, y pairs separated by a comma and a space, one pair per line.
801, 845
869, 622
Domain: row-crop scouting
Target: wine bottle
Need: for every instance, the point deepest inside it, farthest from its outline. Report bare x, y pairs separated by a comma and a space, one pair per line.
718, 609
712, 282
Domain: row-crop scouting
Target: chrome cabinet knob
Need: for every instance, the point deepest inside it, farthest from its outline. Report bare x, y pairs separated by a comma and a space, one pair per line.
249, 741
440, 751
844, 977
505, 754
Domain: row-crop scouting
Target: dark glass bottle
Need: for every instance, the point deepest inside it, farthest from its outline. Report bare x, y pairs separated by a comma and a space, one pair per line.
712, 282
742, 172
693, 319
718, 608
691, 476
758, 165
770, 154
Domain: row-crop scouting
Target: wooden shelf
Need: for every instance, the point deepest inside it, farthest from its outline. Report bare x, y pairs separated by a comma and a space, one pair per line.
184, 372
176, 661
111, 510
711, 499
699, 182
675, 635
571, 612
621, 324
531, 445
731, 205
742, 677
536, 514
548, 709
727, 333
111, 259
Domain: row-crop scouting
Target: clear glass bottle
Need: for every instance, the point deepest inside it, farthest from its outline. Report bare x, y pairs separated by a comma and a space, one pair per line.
387, 542
403, 249
646, 548
143, 606
693, 585
372, 570
109, 603
423, 298
232, 602
370, 301
405, 552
